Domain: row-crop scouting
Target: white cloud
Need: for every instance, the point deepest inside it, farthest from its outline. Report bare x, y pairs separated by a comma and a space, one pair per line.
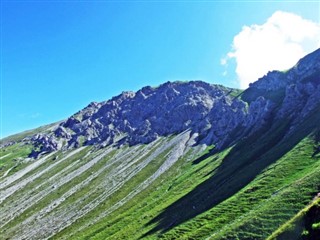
275, 45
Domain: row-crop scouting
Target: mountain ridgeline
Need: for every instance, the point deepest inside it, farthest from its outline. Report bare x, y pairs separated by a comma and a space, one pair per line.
188, 160
215, 114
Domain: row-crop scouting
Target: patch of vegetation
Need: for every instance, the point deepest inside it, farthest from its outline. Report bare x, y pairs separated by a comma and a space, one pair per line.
304, 225
12, 158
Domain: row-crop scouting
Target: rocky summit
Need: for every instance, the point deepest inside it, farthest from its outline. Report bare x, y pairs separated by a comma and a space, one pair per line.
186, 159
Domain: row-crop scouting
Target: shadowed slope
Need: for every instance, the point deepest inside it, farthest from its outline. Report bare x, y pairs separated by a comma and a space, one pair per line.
244, 162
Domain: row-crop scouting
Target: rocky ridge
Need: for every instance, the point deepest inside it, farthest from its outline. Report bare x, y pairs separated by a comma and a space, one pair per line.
214, 114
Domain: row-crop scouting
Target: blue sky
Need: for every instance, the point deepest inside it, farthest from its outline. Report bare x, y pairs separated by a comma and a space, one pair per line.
58, 56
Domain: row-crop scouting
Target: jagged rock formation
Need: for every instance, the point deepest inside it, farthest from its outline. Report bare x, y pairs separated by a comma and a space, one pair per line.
216, 114
143, 116
296, 92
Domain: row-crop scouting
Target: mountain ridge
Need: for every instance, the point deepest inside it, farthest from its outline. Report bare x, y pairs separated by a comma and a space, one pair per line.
183, 160
173, 107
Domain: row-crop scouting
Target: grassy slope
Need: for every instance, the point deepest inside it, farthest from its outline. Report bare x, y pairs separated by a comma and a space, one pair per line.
131, 218
11, 158
304, 225
256, 211
246, 192
275, 195
277, 192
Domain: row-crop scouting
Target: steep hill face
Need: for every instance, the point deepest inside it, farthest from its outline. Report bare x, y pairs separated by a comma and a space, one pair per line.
182, 160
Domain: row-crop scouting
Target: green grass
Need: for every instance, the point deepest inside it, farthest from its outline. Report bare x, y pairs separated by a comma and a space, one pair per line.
12, 157
145, 205
247, 213
276, 194
304, 225
234, 214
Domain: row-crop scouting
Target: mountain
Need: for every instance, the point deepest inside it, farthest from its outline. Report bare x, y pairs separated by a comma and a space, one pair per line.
184, 160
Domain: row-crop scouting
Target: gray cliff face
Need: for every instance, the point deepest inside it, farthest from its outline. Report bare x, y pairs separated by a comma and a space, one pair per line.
215, 114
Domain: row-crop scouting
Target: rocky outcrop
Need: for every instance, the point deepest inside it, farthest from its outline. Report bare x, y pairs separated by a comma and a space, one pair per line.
44, 143
297, 91
143, 116
216, 114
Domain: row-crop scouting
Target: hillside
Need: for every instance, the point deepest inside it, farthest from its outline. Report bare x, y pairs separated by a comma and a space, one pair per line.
305, 225
184, 160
